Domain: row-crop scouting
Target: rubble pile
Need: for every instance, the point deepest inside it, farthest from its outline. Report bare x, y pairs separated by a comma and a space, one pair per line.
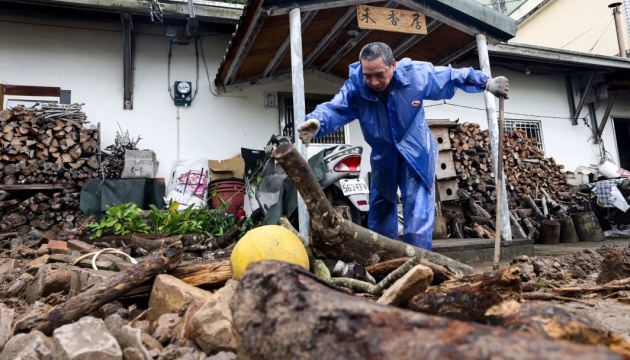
352, 295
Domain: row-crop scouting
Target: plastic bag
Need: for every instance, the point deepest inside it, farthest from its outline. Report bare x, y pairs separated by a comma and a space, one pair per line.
611, 170
188, 183
618, 200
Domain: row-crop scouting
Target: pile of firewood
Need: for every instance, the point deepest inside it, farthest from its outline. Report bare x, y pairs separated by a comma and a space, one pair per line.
47, 144
54, 211
114, 156
536, 186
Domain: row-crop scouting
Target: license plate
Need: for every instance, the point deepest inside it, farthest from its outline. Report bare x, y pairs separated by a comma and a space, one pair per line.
353, 186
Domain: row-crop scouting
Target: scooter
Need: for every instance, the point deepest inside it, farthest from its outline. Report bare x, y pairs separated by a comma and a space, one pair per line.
341, 182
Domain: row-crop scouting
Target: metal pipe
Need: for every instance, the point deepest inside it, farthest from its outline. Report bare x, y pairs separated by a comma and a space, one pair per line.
493, 130
619, 27
299, 104
191, 9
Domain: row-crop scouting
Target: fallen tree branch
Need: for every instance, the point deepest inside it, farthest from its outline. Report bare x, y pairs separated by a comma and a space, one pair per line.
108, 290
551, 296
339, 238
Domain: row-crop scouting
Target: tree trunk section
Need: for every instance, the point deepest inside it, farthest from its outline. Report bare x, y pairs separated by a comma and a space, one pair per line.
339, 238
587, 227
468, 298
549, 232
283, 312
567, 231
557, 322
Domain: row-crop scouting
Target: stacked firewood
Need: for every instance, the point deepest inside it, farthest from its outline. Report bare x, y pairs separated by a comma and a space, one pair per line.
54, 211
114, 162
535, 185
47, 144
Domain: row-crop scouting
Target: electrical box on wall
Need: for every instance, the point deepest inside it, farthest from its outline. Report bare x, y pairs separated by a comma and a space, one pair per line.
183, 93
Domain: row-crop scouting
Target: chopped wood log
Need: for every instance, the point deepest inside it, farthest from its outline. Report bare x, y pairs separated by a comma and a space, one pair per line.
532, 204
587, 227
468, 298
557, 322
517, 230
282, 311
440, 273
567, 231
152, 245
549, 232
106, 291
415, 281
342, 239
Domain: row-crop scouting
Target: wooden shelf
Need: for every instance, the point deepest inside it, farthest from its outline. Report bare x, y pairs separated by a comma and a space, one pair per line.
35, 187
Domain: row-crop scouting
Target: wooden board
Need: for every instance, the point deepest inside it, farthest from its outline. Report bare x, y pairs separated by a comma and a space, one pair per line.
404, 21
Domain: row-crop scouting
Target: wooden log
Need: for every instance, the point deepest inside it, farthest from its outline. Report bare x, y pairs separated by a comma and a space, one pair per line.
532, 205
341, 239
567, 231
282, 311
587, 227
517, 230
440, 273
557, 322
100, 294
469, 297
549, 232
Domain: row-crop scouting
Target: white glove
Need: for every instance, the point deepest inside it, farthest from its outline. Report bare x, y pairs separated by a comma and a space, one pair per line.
308, 130
498, 86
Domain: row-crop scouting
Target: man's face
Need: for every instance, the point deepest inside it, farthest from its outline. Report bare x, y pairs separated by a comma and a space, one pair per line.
377, 74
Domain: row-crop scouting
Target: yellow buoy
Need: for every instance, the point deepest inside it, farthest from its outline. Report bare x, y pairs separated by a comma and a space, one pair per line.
269, 242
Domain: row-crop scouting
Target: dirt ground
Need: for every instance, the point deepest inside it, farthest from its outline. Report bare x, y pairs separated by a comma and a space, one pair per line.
579, 264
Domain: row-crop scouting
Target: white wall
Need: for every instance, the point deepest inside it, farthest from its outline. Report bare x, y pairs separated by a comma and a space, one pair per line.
89, 63
538, 97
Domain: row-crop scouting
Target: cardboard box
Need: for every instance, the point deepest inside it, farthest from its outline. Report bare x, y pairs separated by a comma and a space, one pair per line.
232, 167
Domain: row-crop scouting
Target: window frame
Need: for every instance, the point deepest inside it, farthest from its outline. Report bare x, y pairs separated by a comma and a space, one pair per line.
282, 121
512, 124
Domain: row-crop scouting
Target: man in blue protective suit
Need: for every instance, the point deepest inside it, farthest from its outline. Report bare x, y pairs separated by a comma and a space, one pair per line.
387, 98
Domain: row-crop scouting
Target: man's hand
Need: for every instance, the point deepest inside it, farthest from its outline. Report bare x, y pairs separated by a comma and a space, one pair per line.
308, 130
498, 86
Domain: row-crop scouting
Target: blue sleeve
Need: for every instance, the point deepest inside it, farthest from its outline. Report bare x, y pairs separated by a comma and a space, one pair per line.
337, 112
442, 81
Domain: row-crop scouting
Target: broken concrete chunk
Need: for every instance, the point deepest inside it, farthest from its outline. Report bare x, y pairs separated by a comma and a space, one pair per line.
84, 278
127, 337
165, 328
18, 284
170, 294
34, 345
86, 339
6, 322
211, 326
415, 281
33, 266
6, 265
50, 278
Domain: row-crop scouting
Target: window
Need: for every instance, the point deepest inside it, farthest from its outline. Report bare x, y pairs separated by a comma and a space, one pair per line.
533, 129
285, 105
498, 5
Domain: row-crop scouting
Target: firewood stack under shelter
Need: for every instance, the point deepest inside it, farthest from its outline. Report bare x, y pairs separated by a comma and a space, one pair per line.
46, 154
537, 187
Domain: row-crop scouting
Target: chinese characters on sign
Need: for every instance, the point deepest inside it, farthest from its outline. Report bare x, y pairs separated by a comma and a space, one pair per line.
271, 100
405, 21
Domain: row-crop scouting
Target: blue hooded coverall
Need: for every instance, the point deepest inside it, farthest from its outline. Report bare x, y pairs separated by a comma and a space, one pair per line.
403, 150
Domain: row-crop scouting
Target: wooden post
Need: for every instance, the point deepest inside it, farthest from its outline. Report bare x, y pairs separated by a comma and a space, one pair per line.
494, 131
299, 107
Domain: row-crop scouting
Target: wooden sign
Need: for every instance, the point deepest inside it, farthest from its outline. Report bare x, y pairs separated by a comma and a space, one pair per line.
377, 18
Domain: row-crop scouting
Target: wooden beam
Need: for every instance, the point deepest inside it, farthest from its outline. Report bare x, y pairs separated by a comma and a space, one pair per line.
333, 33
248, 40
128, 55
585, 93
414, 39
282, 51
454, 55
611, 103
568, 82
